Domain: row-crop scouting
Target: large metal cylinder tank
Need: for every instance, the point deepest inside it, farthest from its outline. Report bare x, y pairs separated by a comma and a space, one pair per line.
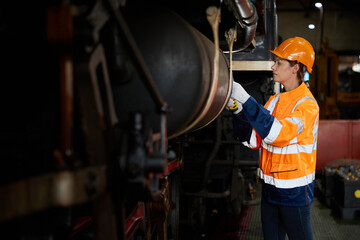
180, 60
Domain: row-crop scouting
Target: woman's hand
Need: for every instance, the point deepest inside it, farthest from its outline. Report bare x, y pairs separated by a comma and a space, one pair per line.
239, 93
233, 106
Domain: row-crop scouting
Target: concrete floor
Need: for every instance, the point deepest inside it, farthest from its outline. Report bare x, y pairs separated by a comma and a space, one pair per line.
325, 222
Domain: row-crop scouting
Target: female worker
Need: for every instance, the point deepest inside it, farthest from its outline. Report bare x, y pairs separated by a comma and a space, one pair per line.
285, 130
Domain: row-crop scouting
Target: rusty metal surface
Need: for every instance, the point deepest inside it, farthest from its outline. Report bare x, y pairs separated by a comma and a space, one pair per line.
61, 189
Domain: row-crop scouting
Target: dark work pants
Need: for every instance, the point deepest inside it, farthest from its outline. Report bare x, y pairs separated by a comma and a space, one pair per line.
277, 221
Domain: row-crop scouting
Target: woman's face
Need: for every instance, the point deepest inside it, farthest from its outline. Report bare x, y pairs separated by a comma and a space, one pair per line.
282, 70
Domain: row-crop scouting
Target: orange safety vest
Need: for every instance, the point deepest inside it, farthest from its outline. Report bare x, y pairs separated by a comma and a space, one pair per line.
288, 141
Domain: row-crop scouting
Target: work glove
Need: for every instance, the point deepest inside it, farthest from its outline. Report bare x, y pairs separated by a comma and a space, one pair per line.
233, 106
238, 93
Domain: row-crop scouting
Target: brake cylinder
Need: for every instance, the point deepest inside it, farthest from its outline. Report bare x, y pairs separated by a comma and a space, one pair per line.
180, 60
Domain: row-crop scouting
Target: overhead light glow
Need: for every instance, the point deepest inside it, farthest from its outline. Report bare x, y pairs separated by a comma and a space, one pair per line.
318, 4
311, 26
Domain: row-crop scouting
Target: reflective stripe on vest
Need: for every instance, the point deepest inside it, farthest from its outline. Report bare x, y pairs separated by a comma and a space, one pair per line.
276, 127
290, 149
288, 183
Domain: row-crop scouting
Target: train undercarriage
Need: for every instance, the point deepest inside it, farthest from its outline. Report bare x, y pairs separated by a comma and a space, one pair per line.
116, 124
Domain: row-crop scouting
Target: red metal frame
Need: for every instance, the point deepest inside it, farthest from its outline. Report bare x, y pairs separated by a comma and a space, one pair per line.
337, 139
134, 220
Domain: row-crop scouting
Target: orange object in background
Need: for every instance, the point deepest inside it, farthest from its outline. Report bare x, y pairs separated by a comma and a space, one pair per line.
337, 139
